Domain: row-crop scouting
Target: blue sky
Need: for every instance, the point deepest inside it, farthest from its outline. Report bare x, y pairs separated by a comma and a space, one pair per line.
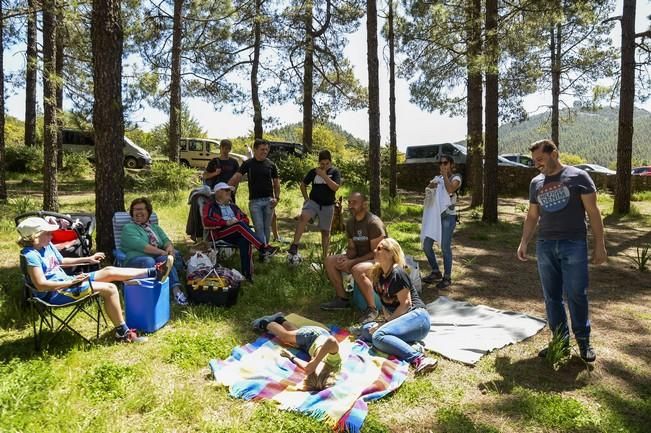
414, 126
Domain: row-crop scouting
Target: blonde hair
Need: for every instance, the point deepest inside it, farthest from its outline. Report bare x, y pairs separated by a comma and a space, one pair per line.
28, 241
393, 248
323, 377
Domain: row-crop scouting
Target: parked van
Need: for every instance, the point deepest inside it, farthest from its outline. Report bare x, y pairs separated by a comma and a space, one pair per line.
433, 152
76, 140
197, 152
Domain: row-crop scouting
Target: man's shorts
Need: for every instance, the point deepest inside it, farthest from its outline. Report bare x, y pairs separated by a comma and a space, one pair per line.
325, 213
306, 335
69, 294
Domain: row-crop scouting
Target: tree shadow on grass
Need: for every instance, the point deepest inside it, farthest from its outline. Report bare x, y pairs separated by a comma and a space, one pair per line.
536, 374
23, 347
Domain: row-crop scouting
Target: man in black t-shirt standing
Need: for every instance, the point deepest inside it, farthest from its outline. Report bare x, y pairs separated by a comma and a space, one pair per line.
264, 188
222, 168
325, 180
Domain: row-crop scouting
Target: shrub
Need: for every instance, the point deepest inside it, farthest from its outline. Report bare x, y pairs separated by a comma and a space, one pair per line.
293, 169
164, 175
76, 164
354, 172
24, 159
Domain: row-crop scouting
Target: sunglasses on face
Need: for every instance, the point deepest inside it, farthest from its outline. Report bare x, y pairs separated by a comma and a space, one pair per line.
445, 162
381, 247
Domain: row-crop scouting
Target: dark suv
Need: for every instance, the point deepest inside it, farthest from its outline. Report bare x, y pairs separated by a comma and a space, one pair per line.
295, 149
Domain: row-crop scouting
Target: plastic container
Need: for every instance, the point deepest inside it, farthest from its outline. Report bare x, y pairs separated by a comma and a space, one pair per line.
147, 304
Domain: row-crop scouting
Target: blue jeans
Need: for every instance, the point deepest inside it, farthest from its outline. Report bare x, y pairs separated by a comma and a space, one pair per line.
448, 223
261, 212
563, 269
397, 336
150, 262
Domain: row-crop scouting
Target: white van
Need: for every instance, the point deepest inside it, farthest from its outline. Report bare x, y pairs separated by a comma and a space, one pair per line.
76, 140
433, 152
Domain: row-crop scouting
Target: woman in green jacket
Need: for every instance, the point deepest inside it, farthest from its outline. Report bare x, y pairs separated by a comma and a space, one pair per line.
146, 244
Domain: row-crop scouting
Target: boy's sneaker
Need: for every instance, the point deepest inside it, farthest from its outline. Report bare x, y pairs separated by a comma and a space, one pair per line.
444, 283
293, 249
433, 276
418, 347
260, 324
336, 304
268, 251
180, 298
163, 269
369, 315
131, 336
424, 365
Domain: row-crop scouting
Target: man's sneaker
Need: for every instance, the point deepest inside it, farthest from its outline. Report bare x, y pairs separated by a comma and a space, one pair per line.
369, 315
418, 347
269, 251
293, 249
444, 283
433, 276
131, 336
163, 269
586, 351
336, 304
260, 324
424, 365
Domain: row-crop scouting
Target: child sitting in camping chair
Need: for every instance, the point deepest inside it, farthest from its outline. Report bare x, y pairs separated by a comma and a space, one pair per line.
51, 284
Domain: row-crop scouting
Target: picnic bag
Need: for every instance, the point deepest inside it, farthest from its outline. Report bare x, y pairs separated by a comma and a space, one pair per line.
214, 285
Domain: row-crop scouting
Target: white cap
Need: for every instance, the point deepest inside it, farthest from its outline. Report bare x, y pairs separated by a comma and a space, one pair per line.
223, 185
33, 225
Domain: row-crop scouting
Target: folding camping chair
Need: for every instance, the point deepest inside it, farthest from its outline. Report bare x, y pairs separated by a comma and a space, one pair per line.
222, 248
52, 316
120, 219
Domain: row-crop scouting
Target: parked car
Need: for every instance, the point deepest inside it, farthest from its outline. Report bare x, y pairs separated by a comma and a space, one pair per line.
197, 152
295, 149
508, 163
433, 152
76, 140
595, 168
519, 158
642, 171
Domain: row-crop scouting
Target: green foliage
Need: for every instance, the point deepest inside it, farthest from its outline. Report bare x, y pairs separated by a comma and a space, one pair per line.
23, 204
590, 135
163, 176
76, 164
14, 131
553, 411
107, 381
558, 351
22, 159
293, 169
189, 349
572, 159
642, 257
354, 172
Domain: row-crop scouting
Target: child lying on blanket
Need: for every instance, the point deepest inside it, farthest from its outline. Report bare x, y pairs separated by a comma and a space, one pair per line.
323, 348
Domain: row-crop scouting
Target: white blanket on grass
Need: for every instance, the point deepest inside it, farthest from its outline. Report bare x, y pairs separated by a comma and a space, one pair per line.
464, 332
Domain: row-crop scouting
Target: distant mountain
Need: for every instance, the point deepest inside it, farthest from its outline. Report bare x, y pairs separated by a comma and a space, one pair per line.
589, 134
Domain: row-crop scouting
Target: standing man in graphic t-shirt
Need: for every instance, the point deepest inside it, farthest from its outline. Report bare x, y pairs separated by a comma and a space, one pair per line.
325, 180
364, 231
559, 198
264, 188
222, 168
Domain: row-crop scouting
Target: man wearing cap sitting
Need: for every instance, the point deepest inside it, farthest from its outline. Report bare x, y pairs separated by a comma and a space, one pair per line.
227, 222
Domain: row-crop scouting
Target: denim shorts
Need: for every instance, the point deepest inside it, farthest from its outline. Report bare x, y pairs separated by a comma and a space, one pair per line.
69, 294
306, 335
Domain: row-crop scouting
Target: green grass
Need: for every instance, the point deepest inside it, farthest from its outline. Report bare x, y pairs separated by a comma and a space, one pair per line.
165, 386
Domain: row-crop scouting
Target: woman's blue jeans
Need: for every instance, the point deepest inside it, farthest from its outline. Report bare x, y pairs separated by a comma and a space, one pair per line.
563, 269
448, 223
397, 336
150, 262
261, 212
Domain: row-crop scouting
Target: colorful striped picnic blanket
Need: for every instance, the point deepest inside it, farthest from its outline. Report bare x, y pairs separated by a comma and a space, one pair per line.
257, 371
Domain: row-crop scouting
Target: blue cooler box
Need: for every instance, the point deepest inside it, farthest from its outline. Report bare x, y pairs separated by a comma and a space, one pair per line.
147, 305
360, 303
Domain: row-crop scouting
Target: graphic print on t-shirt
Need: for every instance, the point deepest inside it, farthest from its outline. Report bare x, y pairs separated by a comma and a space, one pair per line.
359, 237
554, 196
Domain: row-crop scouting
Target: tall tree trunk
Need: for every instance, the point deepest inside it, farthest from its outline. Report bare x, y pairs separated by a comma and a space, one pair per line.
555, 51
393, 144
50, 126
3, 172
255, 97
60, 41
622, 203
491, 114
30, 76
108, 121
308, 76
373, 107
474, 166
174, 130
